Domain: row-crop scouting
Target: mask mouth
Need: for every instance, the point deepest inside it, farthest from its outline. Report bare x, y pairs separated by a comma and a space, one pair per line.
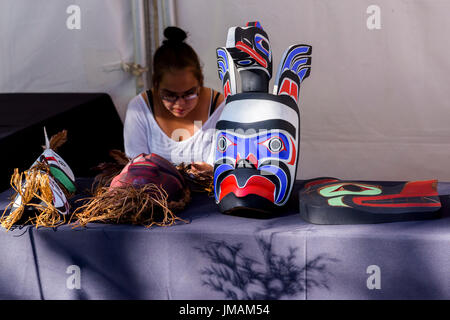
244, 181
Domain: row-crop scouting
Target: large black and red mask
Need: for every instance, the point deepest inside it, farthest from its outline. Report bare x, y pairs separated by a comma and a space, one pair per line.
258, 133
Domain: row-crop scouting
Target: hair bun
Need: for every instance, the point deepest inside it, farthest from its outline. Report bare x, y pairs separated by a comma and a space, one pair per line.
174, 35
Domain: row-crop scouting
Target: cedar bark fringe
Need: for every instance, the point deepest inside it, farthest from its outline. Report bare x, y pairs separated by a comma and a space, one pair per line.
145, 205
31, 184
108, 170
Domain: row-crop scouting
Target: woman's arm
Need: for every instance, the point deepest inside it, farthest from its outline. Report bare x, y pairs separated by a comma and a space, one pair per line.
202, 167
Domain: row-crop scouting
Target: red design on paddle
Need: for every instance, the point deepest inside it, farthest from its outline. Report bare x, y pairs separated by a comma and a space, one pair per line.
414, 189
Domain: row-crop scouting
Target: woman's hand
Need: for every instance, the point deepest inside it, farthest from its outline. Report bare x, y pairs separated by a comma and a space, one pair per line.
201, 168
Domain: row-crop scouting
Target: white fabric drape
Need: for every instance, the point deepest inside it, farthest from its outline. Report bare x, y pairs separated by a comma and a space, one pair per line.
376, 105
39, 53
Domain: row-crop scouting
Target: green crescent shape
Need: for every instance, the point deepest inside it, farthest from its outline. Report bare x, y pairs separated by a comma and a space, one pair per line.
337, 202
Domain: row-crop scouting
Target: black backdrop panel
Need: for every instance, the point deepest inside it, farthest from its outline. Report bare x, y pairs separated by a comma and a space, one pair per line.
91, 120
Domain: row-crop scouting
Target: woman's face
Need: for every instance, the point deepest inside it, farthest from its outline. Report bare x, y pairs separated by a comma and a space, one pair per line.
179, 90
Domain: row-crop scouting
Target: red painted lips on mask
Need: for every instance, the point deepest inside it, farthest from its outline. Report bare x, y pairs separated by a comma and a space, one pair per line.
257, 185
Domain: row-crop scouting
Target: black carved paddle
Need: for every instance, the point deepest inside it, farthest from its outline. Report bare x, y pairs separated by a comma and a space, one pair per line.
334, 201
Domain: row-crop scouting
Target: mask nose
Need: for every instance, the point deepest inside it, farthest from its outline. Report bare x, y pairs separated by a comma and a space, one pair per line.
251, 162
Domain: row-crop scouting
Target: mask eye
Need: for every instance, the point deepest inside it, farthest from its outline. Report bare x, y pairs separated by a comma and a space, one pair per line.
274, 145
223, 143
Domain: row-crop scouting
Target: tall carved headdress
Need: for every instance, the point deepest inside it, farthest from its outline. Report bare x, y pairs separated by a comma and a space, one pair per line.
258, 133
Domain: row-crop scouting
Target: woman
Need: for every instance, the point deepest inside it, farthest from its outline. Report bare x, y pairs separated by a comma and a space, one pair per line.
177, 116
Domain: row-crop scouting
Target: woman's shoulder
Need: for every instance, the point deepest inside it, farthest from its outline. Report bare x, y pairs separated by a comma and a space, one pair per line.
137, 110
139, 102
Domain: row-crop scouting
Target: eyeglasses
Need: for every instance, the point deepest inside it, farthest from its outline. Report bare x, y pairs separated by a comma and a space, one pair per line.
187, 96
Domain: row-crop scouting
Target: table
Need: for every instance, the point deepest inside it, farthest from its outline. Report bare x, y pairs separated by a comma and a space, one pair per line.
217, 256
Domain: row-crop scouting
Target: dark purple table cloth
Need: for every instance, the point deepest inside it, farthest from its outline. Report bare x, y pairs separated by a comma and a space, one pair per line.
216, 256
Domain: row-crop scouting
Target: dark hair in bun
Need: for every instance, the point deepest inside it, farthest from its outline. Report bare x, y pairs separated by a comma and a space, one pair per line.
174, 35
175, 54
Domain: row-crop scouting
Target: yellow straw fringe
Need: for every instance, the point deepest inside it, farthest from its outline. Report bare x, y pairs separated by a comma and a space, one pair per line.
33, 183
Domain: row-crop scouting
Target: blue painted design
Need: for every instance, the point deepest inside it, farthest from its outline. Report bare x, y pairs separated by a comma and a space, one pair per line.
245, 62
221, 69
222, 62
297, 51
219, 170
257, 145
258, 40
299, 63
302, 73
221, 53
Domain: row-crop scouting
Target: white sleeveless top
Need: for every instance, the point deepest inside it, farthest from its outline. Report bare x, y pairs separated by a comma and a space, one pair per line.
142, 134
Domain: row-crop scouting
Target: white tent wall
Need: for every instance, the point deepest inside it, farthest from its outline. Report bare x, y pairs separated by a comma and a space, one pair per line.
68, 46
376, 105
